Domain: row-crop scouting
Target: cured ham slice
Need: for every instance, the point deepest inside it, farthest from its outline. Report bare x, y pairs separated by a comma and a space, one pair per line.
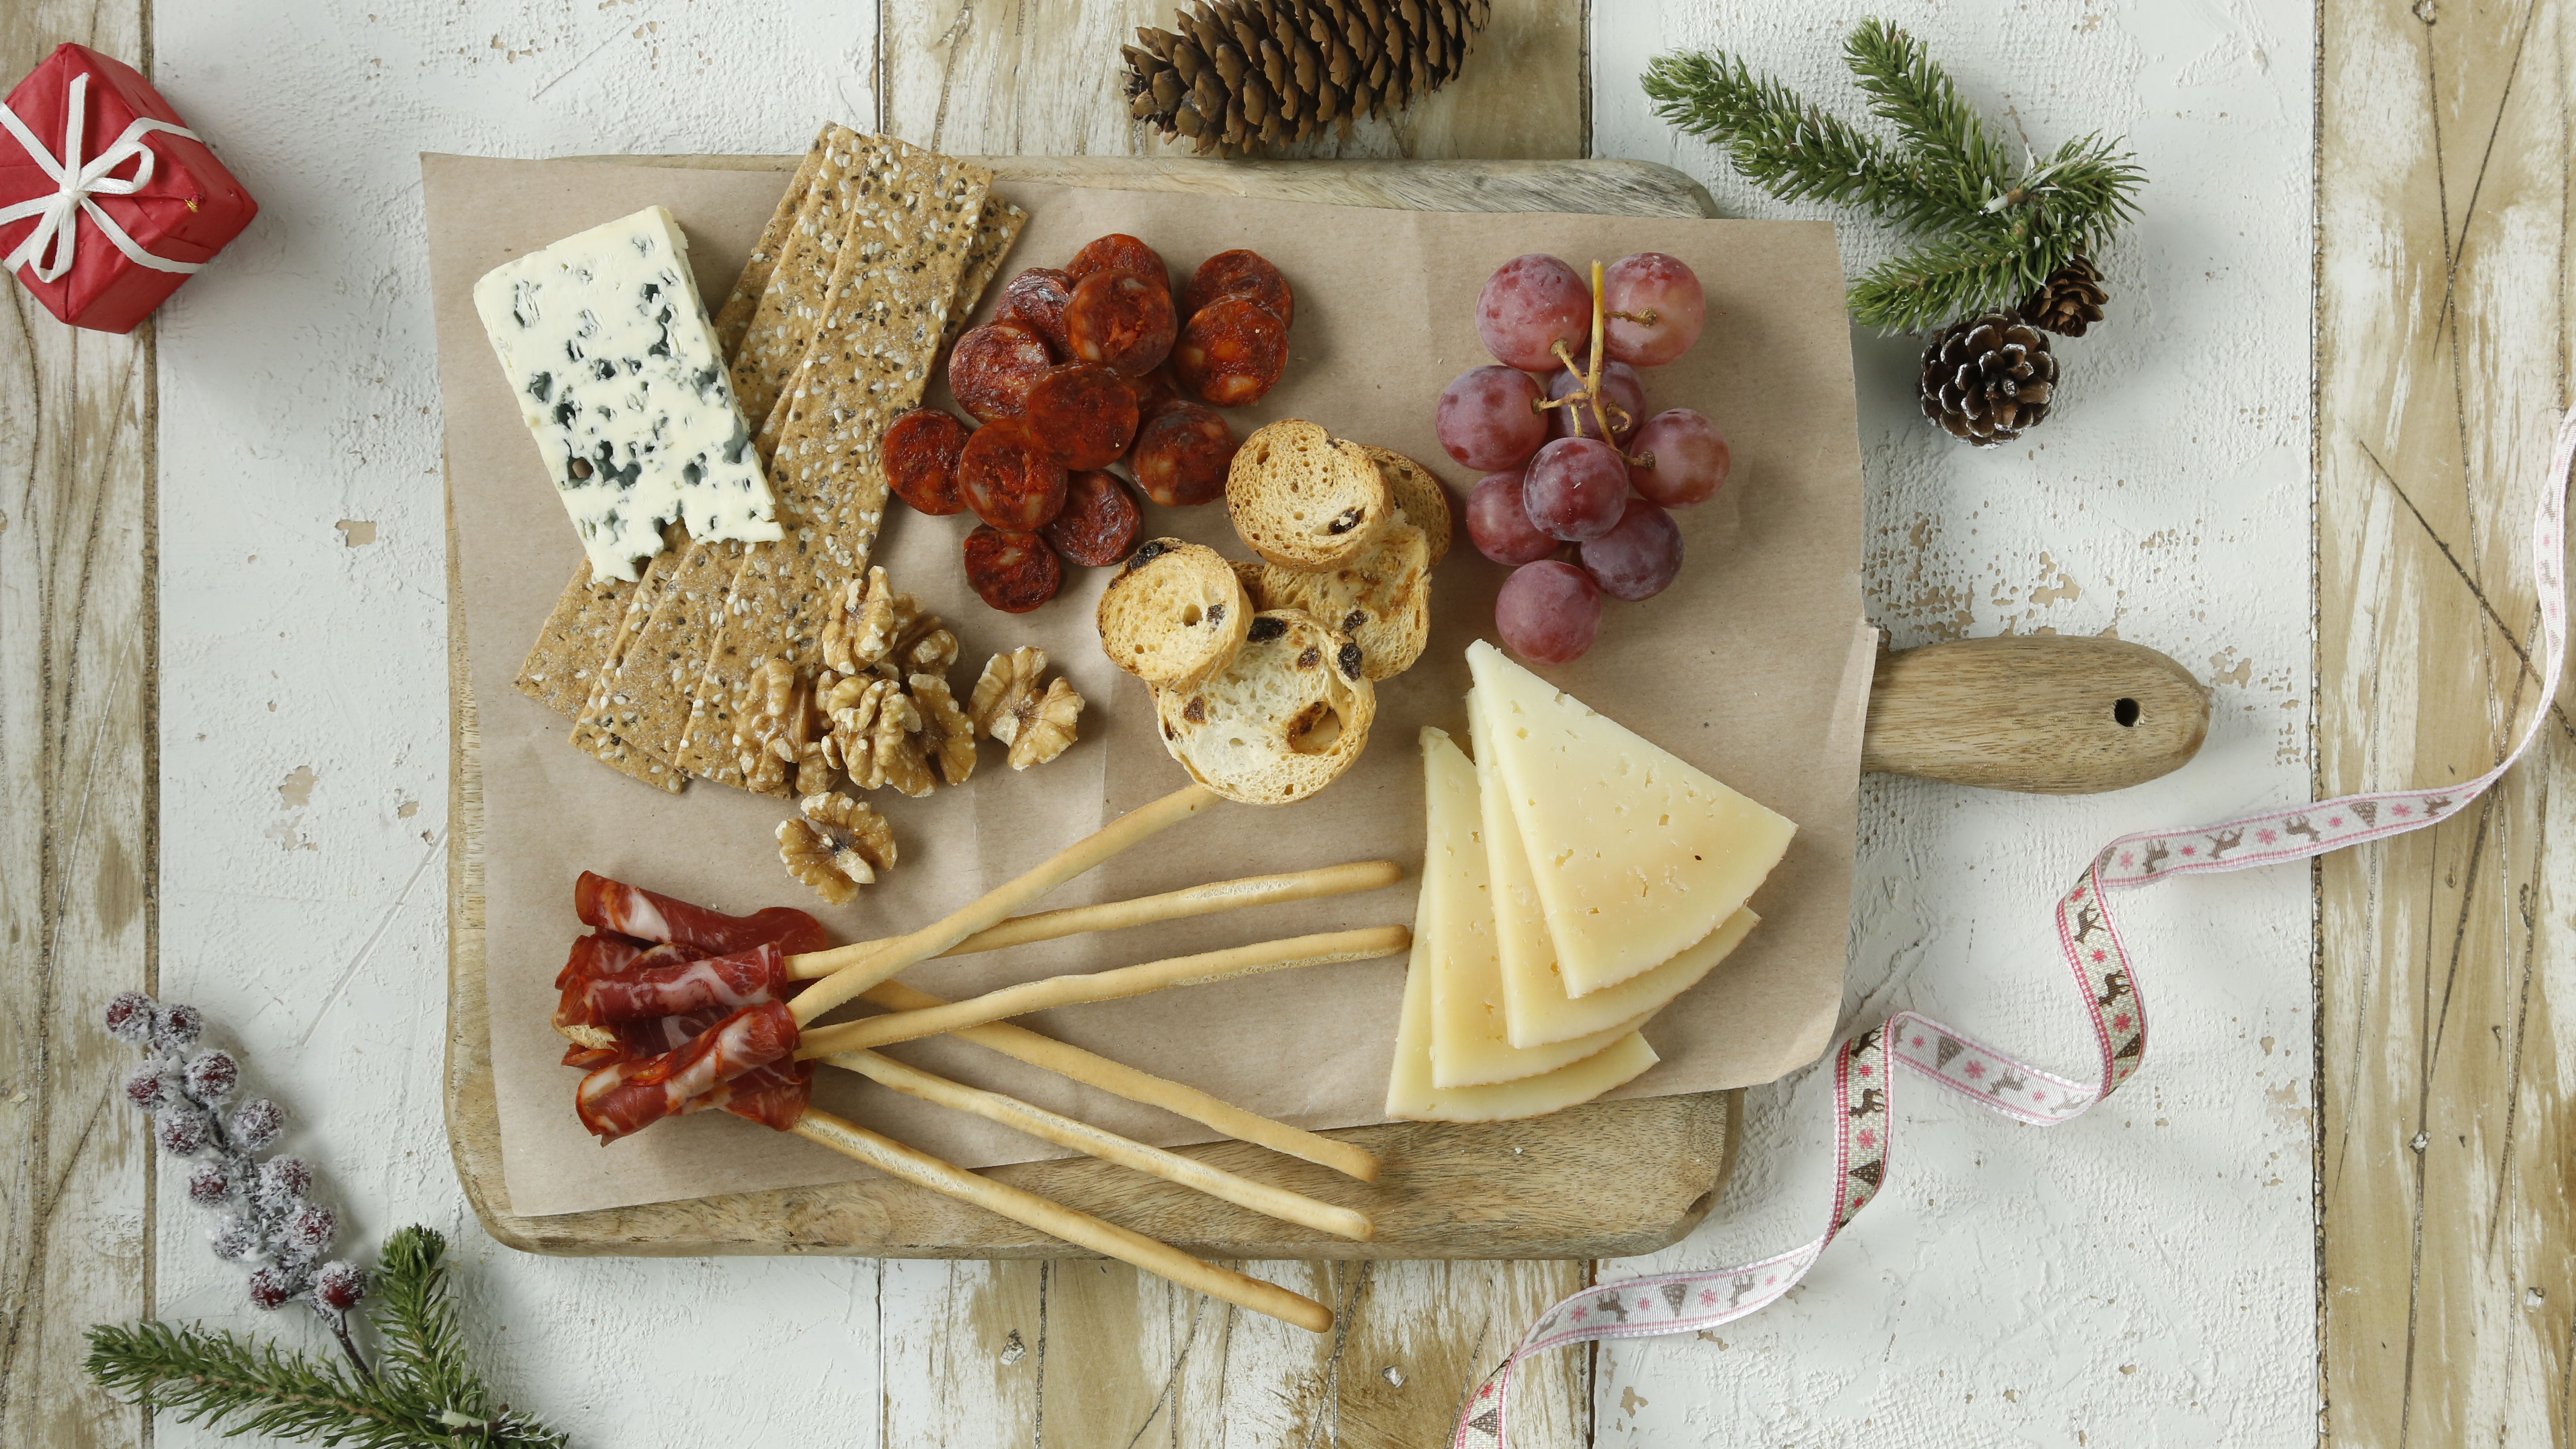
682, 988
628, 1095
650, 916
601, 953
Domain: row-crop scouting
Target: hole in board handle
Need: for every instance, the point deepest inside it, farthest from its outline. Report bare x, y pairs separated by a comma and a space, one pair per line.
2125, 712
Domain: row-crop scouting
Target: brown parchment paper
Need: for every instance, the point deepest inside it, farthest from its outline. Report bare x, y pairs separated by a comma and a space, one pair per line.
1751, 666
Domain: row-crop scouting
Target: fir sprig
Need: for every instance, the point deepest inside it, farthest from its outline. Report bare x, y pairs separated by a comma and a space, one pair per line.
1993, 228
423, 1391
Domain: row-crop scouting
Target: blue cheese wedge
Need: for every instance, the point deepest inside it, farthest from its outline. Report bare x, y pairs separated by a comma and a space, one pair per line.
615, 365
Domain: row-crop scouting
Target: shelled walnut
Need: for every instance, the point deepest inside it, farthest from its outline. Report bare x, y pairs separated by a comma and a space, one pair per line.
836, 846
778, 732
947, 734
868, 622
1008, 705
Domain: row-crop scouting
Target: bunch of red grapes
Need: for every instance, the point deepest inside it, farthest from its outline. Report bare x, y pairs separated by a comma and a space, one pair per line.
1579, 478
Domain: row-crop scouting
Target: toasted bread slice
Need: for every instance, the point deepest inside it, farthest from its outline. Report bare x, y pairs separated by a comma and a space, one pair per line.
1304, 499
1174, 614
1381, 600
1419, 495
1284, 719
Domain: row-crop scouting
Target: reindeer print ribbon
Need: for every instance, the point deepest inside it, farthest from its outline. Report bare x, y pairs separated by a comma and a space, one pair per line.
2105, 977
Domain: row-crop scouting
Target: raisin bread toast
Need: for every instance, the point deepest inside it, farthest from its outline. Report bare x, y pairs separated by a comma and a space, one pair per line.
1281, 721
1304, 499
1419, 495
1380, 600
1174, 614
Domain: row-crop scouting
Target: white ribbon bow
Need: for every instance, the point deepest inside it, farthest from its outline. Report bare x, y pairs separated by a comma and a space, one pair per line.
58, 216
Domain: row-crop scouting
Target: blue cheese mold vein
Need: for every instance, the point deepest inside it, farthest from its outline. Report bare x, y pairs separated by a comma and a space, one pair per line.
617, 374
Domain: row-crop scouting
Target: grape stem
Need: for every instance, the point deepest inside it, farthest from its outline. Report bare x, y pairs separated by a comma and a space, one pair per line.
1590, 394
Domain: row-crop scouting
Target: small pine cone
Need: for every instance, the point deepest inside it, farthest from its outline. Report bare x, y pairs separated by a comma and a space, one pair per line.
212, 1076
177, 1028
1986, 379
129, 1017
148, 1087
311, 1231
340, 1286
273, 1287
237, 1239
283, 1181
184, 1129
2069, 301
256, 1123
211, 1183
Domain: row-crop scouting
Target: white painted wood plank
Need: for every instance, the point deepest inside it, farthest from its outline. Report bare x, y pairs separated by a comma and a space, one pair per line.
2145, 1275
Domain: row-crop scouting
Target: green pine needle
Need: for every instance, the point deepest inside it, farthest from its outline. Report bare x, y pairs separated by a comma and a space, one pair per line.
424, 1392
1993, 228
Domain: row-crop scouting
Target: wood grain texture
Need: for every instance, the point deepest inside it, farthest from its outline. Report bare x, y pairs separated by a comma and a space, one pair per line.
1044, 77
2050, 714
2445, 1130
76, 809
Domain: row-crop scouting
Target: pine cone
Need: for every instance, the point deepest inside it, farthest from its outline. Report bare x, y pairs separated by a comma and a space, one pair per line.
1985, 379
2069, 301
1236, 76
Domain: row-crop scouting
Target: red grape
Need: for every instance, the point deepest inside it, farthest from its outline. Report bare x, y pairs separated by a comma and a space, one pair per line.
1499, 524
1621, 389
1489, 419
1575, 488
1636, 559
1683, 458
1530, 304
1650, 283
1548, 611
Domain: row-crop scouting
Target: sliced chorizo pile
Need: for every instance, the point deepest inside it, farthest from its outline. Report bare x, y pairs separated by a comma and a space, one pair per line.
1106, 360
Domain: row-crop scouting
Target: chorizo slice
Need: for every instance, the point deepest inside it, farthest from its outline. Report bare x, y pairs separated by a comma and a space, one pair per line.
1119, 252
1182, 454
1152, 390
1232, 352
921, 449
1245, 274
1009, 478
1121, 320
1036, 299
993, 366
1014, 572
1099, 522
1084, 412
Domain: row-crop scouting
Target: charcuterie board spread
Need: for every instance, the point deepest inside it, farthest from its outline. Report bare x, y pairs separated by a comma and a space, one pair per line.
1181, 474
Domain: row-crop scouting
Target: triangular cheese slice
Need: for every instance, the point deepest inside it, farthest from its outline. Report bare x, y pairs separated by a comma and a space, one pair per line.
1470, 1044
1411, 1097
1536, 1010
1634, 855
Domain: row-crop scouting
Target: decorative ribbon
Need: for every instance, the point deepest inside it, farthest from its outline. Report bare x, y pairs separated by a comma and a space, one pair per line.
2103, 971
58, 216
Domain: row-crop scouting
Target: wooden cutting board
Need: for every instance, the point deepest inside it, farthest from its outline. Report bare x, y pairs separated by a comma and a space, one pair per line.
1610, 1179
1604, 1180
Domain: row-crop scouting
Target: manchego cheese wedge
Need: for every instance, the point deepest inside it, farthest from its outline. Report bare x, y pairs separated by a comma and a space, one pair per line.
1536, 1010
1634, 855
1411, 1097
1470, 1042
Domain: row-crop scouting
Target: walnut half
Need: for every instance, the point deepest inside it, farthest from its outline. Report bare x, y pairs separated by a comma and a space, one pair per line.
1008, 705
778, 731
838, 845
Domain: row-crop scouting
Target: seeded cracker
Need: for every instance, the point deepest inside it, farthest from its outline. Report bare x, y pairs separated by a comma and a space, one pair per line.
632, 719
996, 228
557, 672
871, 361
789, 304
734, 319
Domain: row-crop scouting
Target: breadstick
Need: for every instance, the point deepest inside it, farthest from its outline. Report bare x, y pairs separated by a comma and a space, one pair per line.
1020, 1206
1121, 1080
1108, 1146
1109, 985
1222, 895
856, 968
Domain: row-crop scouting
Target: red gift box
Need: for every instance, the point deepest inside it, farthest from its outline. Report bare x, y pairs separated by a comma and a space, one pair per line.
107, 202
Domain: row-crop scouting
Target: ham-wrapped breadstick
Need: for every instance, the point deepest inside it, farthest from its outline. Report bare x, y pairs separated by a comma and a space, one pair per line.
681, 988
627, 1096
649, 916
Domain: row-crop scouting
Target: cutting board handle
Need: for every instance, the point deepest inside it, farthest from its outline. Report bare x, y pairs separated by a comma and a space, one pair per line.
2048, 714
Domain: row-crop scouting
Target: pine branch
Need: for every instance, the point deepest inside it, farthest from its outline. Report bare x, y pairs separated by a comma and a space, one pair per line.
1959, 274
1912, 93
416, 1321
217, 1378
1782, 143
